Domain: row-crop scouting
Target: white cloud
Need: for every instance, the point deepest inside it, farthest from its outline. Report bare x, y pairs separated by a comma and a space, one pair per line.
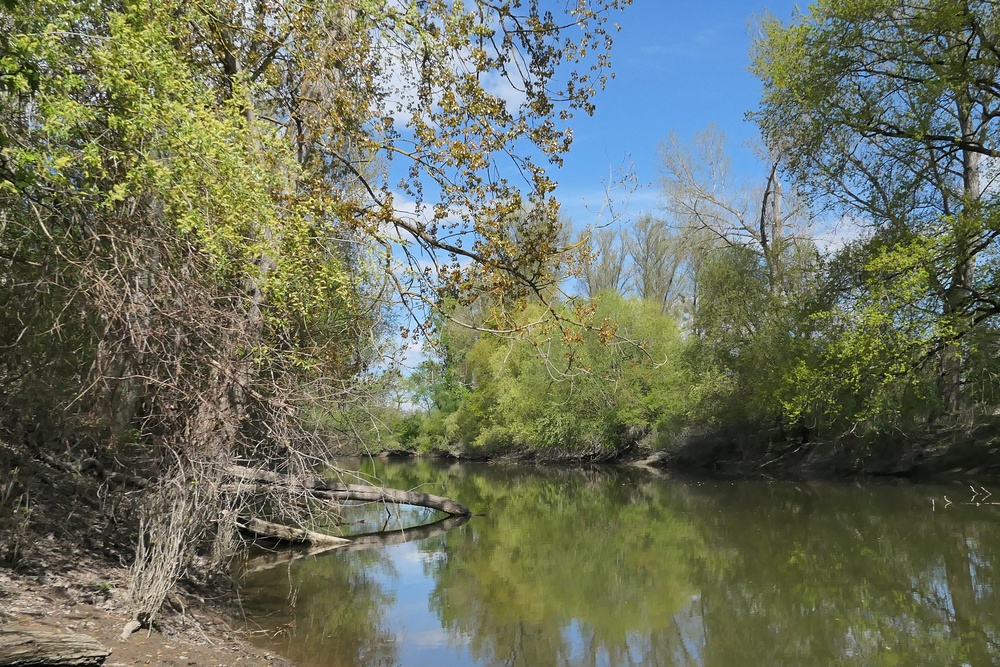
837, 233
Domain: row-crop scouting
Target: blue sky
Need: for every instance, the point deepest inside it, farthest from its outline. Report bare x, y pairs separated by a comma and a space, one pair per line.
679, 66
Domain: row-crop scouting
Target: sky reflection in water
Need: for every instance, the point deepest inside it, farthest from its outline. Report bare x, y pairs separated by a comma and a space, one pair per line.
612, 567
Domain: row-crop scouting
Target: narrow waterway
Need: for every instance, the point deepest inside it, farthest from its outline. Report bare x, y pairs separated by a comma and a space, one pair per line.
613, 567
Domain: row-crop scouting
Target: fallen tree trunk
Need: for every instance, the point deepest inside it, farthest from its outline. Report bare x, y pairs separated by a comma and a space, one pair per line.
321, 488
276, 531
358, 543
359, 492
29, 648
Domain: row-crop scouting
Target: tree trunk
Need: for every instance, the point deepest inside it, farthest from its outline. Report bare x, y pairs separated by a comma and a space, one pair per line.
27, 648
281, 533
956, 304
323, 489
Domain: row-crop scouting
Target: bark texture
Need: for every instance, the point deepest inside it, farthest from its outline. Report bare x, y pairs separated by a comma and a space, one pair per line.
321, 488
30, 648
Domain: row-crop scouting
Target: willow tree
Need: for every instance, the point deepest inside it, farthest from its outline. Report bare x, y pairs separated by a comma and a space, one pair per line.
210, 210
888, 112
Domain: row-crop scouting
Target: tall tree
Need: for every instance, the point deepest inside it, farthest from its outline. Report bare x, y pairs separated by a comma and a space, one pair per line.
886, 110
657, 258
604, 266
205, 207
747, 260
714, 211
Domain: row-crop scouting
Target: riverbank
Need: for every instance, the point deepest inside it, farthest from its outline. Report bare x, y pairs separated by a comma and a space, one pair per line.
80, 600
64, 550
943, 450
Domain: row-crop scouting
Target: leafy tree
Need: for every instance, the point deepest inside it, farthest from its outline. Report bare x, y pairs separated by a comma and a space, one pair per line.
886, 112
594, 396
749, 270
201, 230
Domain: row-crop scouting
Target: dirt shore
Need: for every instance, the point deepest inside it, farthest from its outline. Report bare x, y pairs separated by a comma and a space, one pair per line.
84, 597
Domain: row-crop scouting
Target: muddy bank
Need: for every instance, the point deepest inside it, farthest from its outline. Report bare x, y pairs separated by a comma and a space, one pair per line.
64, 549
66, 591
944, 450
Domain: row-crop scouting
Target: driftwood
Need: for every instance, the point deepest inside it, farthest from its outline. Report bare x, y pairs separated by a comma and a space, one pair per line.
281, 533
321, 488
247, 479
357, 543
29, 648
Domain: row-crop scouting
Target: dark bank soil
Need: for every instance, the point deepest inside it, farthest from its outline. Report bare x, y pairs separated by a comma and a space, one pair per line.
945, 450
62, 569
957, 449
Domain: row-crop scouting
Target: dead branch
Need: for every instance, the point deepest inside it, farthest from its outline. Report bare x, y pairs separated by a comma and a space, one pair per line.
275, 531
323, 489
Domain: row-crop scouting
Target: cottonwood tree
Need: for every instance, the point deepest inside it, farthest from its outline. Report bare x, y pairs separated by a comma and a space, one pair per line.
744, 265
657, 258
713, 211
887, 111
210, 209
604, 267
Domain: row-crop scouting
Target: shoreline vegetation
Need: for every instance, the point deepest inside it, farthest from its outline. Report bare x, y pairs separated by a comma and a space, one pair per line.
943, 451
223, 225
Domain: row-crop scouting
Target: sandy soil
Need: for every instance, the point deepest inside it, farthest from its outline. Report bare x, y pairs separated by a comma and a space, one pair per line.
70, 571
81, 595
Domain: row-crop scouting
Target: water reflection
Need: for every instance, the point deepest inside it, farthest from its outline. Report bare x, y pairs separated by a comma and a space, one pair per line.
620, 568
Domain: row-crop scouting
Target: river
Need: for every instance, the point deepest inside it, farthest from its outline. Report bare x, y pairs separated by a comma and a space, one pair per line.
612, 567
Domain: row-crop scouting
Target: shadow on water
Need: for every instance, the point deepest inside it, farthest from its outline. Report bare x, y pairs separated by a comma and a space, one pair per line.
616, 567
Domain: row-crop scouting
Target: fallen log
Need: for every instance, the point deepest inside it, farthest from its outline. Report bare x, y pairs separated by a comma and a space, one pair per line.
321, 488
375, 494
30, 648
357, 543
275, 531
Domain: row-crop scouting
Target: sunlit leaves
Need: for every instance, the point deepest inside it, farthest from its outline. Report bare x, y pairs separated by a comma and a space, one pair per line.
595, 393
888, 113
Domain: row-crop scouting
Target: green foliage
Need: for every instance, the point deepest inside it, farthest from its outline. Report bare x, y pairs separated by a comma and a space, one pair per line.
750, 335
595, 396
885, 113
201, 245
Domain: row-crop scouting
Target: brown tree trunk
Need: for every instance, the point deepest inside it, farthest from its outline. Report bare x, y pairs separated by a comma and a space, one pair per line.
28, 648
323, 489
962, 274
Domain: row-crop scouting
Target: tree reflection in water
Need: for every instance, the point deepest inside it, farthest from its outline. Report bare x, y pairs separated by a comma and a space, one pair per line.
614, 567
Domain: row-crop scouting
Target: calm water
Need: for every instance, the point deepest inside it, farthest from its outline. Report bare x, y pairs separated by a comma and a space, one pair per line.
615, 567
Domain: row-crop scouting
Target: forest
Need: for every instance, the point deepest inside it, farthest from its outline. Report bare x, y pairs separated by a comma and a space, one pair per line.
220, 222
841, 308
